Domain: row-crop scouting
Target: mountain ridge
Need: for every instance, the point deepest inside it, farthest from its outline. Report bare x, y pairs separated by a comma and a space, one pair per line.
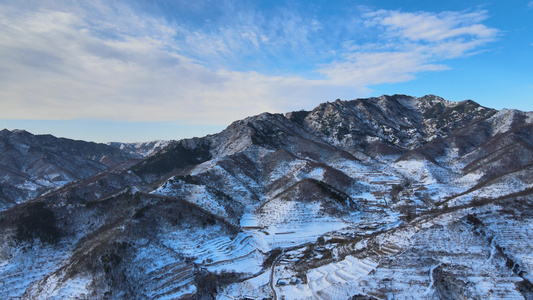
33, 164
337, 202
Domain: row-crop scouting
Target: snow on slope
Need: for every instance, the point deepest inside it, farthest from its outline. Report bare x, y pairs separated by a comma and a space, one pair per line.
380, 198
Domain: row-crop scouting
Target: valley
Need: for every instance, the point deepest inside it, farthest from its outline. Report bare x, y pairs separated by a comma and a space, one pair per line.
390, 197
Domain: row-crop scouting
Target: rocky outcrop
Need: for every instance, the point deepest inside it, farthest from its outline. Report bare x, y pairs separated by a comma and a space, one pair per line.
395, 196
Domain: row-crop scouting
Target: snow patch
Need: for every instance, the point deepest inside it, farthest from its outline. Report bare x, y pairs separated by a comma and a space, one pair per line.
417, 170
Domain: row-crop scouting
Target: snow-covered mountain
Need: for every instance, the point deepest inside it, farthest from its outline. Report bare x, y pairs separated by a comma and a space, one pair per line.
32, 164
389, 197
143, 149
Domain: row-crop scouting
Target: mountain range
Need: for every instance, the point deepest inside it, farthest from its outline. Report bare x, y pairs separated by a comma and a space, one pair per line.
378, 198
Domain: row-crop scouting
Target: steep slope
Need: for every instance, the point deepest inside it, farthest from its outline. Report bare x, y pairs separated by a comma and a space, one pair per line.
482, 152
90, 249
395, 196
143, 149
377, 127
31, 164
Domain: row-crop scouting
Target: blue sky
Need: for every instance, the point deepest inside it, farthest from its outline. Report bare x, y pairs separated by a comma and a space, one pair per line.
141, 70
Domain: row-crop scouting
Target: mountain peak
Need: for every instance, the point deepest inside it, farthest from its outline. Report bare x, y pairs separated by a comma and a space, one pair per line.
19, 132
416, 197
399, 121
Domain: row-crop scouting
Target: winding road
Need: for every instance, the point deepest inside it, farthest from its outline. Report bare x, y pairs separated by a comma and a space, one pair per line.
272, 275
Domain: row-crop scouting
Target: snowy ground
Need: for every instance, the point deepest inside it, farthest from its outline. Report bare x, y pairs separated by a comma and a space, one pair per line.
419, 243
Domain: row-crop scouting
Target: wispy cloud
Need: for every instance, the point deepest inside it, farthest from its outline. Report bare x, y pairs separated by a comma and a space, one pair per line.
410, 43
530, 4
431, 27
108, 61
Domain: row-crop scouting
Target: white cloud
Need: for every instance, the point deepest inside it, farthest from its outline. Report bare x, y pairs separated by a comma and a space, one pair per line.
530, 4
61, 65
370, 68
109, 62
431, 27
411, 43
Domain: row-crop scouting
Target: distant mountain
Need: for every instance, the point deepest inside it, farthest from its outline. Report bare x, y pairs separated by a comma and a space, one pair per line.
32, 164
395, 196
143, 149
